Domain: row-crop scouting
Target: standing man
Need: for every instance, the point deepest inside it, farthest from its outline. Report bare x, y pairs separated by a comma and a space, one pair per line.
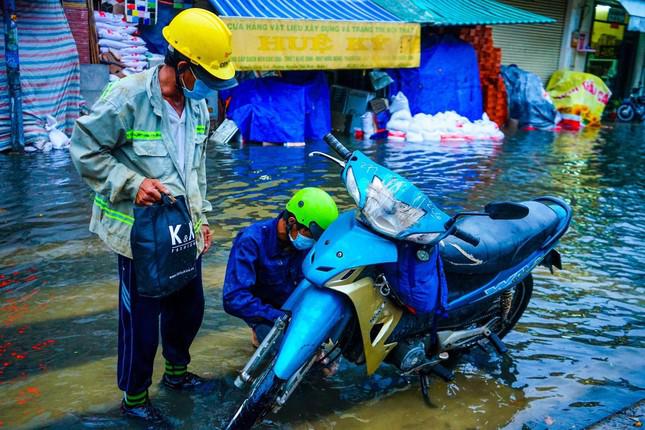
265, 263
146, 136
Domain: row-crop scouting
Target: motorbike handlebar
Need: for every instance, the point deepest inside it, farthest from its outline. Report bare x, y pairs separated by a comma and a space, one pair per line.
337, 146
466, 237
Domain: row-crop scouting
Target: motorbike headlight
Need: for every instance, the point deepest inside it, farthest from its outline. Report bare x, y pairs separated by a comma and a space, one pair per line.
387, 214
352, 187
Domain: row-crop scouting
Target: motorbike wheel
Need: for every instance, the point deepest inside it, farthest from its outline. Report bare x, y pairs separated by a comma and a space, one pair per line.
625, 113
510, 312
258, 403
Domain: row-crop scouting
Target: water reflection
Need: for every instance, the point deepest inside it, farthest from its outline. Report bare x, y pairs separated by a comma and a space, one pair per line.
575, 356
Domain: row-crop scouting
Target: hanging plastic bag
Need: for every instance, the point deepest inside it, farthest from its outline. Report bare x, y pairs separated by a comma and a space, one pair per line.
379, 79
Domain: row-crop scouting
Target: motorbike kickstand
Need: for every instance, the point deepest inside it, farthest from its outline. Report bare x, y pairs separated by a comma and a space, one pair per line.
424, 379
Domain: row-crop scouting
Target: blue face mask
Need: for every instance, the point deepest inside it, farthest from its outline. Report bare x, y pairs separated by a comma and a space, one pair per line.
301, 242
200, 90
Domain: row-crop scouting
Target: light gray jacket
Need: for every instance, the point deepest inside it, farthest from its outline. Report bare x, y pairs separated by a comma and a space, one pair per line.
125, 139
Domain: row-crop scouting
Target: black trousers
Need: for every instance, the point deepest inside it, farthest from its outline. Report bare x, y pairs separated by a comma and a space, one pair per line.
178, 315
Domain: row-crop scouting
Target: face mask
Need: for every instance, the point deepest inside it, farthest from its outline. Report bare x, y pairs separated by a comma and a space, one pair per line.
200, 90
301, 242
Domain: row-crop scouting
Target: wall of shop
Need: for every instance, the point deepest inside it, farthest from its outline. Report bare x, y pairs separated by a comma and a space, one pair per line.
535, 48
578, 21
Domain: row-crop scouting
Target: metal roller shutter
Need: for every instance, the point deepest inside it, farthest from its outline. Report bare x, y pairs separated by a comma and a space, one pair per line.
535, 47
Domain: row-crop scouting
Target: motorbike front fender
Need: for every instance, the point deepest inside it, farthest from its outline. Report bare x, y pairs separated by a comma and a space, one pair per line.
313, 318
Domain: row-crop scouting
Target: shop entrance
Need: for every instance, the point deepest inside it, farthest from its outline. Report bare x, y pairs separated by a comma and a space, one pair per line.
615, 47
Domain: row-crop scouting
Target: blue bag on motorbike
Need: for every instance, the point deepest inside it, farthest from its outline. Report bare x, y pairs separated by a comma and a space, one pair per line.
417, 278
163, 247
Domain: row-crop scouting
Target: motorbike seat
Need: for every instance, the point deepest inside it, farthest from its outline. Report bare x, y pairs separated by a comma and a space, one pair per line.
503, 243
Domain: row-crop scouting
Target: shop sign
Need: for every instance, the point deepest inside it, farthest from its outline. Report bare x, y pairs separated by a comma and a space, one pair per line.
270, 44
616, 15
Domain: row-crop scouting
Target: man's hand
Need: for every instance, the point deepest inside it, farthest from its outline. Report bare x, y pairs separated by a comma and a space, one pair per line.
206, 232
150, 192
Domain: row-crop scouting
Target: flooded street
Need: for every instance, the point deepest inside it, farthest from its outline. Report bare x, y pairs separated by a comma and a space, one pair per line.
575, 356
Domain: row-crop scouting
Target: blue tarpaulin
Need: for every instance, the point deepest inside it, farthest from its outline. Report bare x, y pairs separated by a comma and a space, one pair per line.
447, 79
291, 108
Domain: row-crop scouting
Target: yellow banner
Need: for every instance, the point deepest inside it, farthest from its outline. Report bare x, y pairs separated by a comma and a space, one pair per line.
279, 44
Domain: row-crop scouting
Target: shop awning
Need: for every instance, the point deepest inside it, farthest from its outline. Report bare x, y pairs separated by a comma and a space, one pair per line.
636, 11
335, 10
460, 12
318, 35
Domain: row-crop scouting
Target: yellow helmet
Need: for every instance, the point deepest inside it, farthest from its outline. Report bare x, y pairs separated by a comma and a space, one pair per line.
203, 38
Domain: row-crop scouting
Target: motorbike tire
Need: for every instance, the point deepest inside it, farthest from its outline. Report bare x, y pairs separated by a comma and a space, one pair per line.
479, 314
258, 403
626, 113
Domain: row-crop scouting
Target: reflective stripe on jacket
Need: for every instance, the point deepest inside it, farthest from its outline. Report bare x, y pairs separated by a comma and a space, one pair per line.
125, 139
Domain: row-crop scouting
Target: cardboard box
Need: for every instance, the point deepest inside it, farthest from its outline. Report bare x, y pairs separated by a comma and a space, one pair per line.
349, 100
357, 101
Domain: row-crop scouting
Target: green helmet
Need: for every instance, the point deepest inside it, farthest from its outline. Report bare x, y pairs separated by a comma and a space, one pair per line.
313, 208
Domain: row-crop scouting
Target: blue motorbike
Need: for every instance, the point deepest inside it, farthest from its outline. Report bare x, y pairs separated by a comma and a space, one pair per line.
347, 306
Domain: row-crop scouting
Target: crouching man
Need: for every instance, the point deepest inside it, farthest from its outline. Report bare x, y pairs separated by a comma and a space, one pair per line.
265, 263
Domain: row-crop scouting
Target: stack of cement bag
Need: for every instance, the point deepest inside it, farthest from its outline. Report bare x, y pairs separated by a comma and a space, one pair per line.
120, 48
441, 126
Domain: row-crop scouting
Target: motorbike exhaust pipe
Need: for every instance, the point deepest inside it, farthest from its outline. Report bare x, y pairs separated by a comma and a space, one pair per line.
247, 374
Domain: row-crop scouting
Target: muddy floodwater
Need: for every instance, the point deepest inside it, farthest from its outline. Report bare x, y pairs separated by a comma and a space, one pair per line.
576, 355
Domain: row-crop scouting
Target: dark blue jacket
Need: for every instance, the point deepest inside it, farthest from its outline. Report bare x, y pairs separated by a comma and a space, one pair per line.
261, 273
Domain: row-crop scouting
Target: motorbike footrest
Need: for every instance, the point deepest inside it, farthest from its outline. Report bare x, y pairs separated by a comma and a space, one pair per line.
445, 374
497, 343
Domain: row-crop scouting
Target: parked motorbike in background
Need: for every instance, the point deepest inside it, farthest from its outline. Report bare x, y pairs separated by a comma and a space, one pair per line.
347, 306
633, 107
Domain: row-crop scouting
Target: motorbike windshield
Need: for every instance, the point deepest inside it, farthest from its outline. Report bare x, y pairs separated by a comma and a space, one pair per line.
390, 204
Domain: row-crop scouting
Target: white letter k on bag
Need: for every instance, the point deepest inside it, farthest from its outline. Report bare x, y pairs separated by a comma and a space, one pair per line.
174, 235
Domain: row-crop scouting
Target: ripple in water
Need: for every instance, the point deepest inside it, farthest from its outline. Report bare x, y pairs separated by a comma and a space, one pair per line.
575, 356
